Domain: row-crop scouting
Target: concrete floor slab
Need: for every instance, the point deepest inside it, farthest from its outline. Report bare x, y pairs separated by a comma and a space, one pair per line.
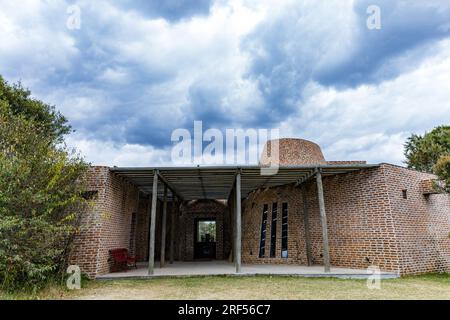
222, 268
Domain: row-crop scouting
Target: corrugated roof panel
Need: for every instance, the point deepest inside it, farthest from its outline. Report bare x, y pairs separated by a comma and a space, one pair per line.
216, 182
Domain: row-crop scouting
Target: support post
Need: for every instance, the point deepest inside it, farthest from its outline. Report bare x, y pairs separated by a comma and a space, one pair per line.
134, 222
323, 219
232, 212
181, 236
162, 260
306, 224
172, 230
238, 224
151, 255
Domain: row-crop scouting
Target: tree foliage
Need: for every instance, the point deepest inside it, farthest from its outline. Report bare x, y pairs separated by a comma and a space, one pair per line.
430, 152
19, 102
442, 169
40, 190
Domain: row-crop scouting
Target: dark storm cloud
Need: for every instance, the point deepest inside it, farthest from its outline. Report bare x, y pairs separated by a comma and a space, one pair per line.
294, 49
405, 26
171, 10
127, 81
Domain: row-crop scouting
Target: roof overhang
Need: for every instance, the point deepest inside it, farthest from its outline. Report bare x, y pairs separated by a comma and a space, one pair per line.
216, 182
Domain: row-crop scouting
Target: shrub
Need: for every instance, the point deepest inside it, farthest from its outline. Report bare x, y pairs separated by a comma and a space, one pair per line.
40, 200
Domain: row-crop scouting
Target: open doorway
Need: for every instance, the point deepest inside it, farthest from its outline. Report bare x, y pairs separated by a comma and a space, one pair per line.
205, 239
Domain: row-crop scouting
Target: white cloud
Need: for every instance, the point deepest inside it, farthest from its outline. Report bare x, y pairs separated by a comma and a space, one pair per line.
34, 40
108, 153
115, 75
124, 78
372, 122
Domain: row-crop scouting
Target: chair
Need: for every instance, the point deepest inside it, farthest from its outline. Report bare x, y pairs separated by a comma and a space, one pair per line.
121, 260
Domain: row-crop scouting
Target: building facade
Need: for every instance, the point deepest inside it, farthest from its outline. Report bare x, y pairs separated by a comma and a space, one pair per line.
383, 215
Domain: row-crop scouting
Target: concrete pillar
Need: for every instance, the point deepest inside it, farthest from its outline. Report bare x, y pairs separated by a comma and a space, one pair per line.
238, 218
323, 219
151, 255
162, 260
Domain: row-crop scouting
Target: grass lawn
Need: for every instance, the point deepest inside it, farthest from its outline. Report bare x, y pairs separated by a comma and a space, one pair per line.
258, 287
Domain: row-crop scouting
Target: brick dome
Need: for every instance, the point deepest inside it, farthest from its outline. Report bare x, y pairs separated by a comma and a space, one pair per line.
295, 152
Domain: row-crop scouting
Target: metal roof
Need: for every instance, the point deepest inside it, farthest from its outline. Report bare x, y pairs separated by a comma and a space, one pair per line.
216, 182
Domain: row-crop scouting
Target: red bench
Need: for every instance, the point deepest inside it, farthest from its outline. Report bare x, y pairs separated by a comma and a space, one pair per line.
121, 260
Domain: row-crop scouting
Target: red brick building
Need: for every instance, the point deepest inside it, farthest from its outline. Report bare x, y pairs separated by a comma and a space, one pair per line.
311, 212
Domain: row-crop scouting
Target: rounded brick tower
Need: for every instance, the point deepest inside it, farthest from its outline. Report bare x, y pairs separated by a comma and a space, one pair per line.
293, 152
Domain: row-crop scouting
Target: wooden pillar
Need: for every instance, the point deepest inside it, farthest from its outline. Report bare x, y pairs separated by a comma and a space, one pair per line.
181, 231
238, 218
323, 219
233, 223
172, 230
162, 260
306, 224
133, 231
151, 255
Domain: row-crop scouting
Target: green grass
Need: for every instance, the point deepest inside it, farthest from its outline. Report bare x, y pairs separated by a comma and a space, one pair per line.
431, 286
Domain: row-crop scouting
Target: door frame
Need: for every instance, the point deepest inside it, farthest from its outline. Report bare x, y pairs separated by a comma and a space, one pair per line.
196, 221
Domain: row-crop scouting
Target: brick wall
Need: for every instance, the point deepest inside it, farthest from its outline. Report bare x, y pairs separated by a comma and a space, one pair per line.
202, 209
251, 226
107, 224
360, 226
292, 152
421, 222
369, 222
86, 242
360, 223
345, 162
143, 228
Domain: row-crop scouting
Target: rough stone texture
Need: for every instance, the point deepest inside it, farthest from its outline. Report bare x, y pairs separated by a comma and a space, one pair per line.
292, 152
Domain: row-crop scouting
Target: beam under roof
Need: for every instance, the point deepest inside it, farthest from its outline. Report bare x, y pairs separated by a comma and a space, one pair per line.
215, 182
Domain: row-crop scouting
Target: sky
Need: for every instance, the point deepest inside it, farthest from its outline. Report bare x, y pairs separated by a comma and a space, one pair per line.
128, 73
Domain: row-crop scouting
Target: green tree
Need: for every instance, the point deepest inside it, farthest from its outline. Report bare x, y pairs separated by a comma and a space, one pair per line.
442, 169
430, 152
20, 102
41, 189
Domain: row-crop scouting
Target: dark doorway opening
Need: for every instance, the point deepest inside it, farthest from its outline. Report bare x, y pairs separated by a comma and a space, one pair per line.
205, 239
